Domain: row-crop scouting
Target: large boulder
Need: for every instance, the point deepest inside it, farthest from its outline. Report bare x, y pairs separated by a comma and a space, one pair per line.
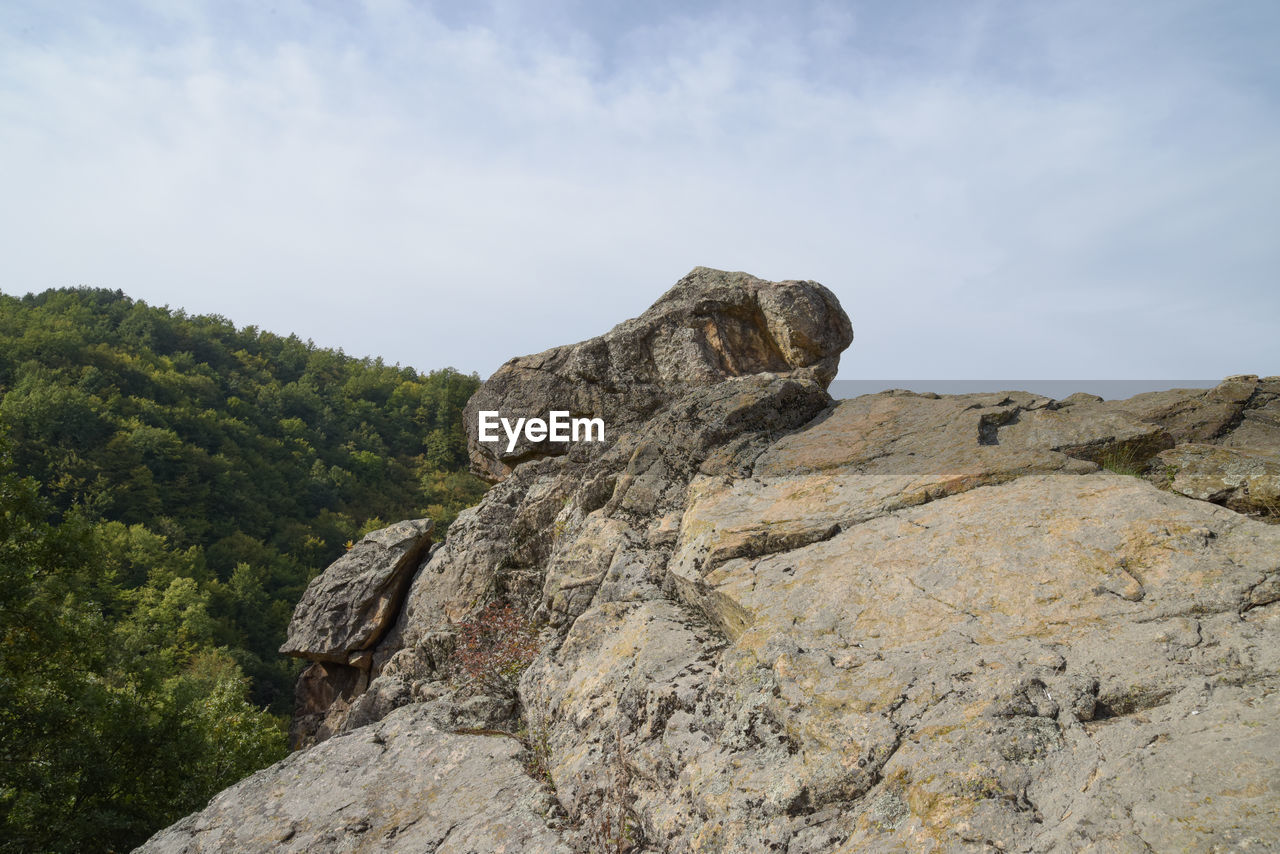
710, 326
349, 606
344, 613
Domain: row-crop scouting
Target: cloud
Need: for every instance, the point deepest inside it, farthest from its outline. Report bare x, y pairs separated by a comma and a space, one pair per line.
991, 189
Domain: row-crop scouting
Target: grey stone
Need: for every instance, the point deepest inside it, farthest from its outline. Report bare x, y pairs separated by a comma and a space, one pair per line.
1240, 410
710, 326
322, 699
351, 604
344, 612
1244, 479
399, 785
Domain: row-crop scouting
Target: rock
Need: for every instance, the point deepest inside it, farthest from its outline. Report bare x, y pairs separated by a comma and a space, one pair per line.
960, 438
399, 785
493, 550
786, 736
543, 537
1244, 479
710, 326
1088, 432
769, 621
1186, 414
351, 604
344, 612
717, 431
1259, 425
321, 700
796, 743
1208, 415
953, 671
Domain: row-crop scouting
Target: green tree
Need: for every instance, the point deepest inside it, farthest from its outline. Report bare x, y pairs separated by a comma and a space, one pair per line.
107, 731
173, 484
248, 447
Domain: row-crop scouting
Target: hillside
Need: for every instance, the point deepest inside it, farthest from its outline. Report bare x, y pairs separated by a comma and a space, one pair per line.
171, 484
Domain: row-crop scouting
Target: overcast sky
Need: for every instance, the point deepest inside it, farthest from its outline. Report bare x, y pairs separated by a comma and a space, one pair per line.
993, 189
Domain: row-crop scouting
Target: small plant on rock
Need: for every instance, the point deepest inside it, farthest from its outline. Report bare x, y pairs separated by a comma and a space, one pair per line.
1123, 460
537, 758
610, 830
493, 648
1267, 501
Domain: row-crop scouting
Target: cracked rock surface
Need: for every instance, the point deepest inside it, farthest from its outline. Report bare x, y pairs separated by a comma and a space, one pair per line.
776, 622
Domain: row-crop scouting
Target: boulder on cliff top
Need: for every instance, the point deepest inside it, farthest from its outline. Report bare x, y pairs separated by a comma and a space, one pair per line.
710, 326
349, 606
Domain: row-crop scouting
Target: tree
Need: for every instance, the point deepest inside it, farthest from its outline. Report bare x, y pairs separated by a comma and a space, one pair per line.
107, 732
173, 484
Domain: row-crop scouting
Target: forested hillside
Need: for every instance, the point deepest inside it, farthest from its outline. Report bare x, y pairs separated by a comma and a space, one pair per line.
169, 484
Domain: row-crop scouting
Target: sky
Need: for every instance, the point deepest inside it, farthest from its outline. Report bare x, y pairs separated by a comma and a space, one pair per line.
992, 189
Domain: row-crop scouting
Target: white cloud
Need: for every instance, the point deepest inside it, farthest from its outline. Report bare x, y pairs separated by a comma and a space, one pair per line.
992, 193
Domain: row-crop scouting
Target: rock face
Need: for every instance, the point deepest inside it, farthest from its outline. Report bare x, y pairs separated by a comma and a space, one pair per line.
711, 326
775, 622
346, 610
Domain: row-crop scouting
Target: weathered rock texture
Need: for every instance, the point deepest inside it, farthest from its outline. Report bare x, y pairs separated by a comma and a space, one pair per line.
345, 611
398, 785
1244, 479
712, 325
773, 622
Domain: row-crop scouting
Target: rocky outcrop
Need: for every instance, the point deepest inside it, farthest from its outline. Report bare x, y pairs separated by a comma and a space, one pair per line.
1244, 479
1241, 410
772, 621
916, 624
345, 611
964, 671
710, 326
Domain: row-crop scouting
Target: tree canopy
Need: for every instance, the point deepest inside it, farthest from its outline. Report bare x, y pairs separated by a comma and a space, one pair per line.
168, 486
